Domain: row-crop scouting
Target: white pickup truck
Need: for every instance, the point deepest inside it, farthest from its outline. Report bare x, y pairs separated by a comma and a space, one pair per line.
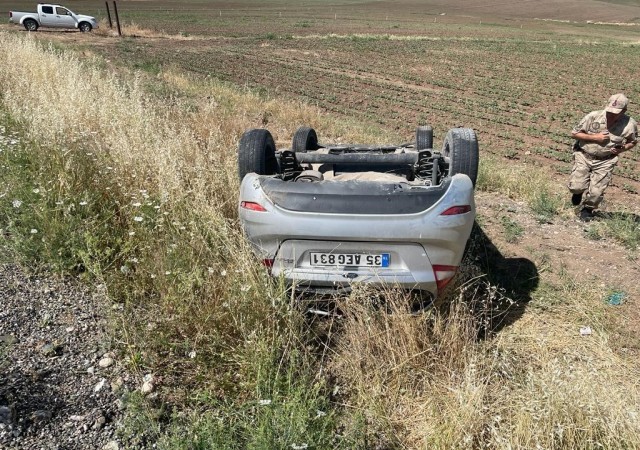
54, 16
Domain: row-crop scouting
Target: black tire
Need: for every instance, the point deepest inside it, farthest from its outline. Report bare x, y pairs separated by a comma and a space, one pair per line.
257, 153
30, 25
304, 139
85, 27
461, 147
424, 138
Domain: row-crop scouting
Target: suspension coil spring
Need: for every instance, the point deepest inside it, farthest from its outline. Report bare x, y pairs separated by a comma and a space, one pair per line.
288, 165
424, 167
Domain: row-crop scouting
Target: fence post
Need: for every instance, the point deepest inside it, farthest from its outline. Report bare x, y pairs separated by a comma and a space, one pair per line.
106, 3
115, 10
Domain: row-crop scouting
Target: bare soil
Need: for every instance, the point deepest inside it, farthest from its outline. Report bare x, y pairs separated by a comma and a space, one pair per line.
562, 250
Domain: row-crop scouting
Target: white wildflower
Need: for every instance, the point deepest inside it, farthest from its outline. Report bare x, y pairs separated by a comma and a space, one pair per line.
264, 402
16, 203
168, 272
299, 447
210, 270
34, 231
36, 191
138, 219
223, 272
192, 354
83, 203
131, 233
136, 204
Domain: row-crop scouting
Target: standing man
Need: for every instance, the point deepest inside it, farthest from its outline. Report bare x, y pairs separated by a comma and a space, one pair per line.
600, 137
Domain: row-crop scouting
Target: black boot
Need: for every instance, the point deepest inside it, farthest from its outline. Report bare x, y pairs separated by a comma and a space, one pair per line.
586, 215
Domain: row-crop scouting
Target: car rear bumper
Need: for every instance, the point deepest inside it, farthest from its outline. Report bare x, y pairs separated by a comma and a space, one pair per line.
409, 266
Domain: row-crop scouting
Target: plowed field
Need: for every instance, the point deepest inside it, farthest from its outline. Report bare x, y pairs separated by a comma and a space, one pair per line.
522, 89
521, 82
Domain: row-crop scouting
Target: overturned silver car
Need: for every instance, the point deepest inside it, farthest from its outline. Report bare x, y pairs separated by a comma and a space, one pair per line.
325, 217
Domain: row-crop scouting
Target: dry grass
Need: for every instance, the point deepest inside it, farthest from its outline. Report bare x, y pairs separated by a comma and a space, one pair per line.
530, 184
178, 147
134, 30
427, 381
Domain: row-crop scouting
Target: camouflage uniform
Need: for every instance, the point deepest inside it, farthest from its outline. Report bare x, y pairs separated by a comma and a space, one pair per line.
593, 163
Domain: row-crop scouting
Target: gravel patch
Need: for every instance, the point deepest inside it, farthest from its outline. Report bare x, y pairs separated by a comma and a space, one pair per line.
60, 385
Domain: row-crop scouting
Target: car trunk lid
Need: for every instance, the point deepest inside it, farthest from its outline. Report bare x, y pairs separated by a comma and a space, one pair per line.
352, 197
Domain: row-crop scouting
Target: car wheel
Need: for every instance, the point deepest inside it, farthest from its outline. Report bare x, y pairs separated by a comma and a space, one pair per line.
461, 147
257, 153
304, 139
30, 25
424, 138
85, 27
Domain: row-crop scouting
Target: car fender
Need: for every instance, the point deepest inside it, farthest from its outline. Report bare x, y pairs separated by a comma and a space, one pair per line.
30, 16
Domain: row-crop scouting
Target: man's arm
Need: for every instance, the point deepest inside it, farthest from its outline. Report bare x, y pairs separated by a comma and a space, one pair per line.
580, 131
599, 138
631, 140
623, 147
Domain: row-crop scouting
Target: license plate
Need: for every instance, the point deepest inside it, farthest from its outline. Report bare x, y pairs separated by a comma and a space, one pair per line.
349, 259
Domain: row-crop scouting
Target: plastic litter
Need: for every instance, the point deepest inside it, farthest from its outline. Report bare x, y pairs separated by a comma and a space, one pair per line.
616, 298
585, 331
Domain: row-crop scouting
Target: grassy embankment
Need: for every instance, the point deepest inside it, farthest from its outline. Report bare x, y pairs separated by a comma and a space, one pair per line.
132, 183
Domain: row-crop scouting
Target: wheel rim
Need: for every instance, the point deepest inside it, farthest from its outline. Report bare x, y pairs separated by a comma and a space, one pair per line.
31, 26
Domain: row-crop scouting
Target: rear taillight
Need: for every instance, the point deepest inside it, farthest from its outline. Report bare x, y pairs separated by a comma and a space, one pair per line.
455, 210
268, 263
10, 14
443, 275
253, 206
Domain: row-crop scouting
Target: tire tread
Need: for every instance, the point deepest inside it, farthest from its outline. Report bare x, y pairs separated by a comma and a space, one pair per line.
461, 146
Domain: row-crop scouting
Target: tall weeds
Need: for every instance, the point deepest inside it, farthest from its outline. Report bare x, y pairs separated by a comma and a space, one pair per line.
433, 381
138, 192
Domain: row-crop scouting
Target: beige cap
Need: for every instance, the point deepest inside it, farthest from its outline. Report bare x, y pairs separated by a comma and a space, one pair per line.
617, 103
